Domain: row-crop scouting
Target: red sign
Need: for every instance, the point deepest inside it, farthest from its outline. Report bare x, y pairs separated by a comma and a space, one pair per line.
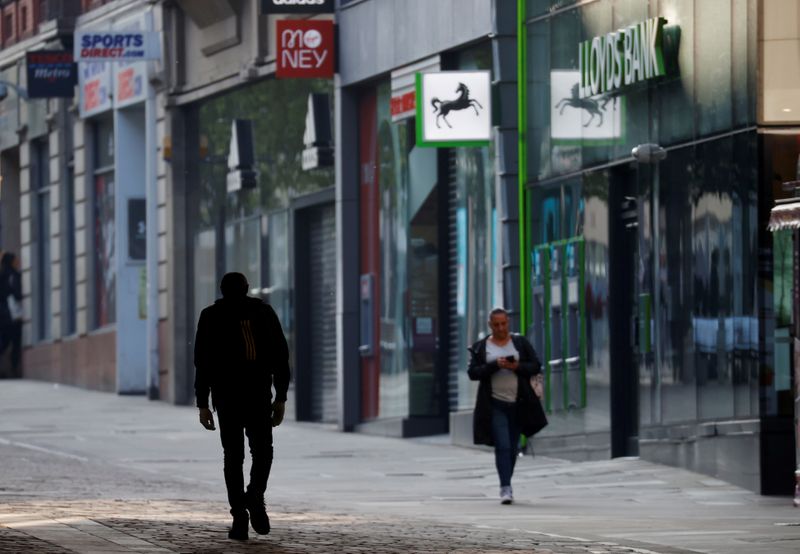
305, 48
91, 96
404, 104
126, 84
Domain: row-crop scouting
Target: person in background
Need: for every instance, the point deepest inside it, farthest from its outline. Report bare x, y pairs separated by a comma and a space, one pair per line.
240, 353
506, 404
11, 310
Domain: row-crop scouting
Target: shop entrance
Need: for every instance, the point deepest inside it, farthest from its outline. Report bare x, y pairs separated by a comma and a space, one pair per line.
127, 190
315, 308
625, 336
426, 320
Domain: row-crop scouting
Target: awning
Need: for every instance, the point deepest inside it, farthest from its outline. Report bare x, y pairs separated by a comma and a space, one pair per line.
785, 215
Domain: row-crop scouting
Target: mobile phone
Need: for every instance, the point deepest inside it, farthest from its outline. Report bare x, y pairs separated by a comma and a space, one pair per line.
510, 359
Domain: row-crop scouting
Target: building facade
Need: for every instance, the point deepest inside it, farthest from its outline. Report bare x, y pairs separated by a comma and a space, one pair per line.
653, 290
72, 174
436, 225
659, 303
278, 227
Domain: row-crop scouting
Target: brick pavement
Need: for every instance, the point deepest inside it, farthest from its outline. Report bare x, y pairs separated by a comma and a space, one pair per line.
92, 472
164, 526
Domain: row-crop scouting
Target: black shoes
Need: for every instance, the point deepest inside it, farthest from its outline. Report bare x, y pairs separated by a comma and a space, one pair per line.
238, 530
258, 514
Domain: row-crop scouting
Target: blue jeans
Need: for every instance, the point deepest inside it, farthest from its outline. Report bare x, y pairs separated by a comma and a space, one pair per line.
505, 432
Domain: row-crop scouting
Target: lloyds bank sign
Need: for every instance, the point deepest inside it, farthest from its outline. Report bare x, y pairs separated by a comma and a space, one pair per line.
622, 58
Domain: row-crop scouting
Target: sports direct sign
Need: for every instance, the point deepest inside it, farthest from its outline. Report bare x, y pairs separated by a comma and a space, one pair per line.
305, 49
113, 46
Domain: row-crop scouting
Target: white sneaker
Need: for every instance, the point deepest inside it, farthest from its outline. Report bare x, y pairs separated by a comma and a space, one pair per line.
506, 495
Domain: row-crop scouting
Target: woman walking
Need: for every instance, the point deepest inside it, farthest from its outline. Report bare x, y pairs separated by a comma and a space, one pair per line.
506, 404
11, 309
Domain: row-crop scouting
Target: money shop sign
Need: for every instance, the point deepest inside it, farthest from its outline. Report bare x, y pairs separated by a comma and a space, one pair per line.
624, 57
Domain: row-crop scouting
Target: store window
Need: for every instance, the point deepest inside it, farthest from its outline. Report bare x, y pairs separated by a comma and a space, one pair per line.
248, 230
70, 309
103, 224
394, 143
781, 154
708, 48
476, 236
43, 278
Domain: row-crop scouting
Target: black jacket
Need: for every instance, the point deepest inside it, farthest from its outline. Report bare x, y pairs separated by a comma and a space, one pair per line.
233, 363
530, 414
10, 285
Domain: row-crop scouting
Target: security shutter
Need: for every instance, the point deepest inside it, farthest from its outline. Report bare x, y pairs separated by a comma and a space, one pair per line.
322, 283
455, 351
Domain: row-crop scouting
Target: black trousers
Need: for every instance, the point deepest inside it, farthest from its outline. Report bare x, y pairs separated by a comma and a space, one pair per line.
253, 419
11, 335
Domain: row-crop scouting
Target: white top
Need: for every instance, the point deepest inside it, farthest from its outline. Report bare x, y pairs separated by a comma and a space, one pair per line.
504, 381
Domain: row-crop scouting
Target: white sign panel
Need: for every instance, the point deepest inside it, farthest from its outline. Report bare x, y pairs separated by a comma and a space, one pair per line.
127, 45
94, 84
574, 119
130, 78
454, 108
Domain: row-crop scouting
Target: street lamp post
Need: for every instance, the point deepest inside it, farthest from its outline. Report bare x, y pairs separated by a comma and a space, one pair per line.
653, 154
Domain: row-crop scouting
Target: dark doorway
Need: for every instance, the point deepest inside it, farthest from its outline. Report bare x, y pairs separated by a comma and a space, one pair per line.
623, 260
315, 308
428, 320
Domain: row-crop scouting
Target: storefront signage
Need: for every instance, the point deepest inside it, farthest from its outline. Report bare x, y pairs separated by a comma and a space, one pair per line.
111, 46
296, 6
130, 77
305, 49
51, 74
630, 55
241, 156
454, 108
95, 87
576, 121
403, 104
317, 137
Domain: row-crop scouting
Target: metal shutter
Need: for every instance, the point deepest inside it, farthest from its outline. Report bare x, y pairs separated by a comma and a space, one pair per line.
455, 359
322, 281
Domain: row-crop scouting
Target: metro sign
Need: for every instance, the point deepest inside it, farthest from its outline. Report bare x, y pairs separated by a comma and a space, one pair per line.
305, 49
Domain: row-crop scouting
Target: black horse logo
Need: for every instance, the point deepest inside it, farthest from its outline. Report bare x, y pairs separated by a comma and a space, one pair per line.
594, 107
462, 102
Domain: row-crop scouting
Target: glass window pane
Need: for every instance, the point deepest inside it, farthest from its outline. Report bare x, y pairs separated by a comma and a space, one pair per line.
104, 143
675, 98
713, 107
205, 274
393, 147
678, 380
278, 278
538, 100
569, 114
243, 249
712, 212
741, 41
105, 274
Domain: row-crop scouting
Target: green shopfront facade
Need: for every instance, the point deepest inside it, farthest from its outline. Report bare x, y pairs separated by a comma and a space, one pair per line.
649, 289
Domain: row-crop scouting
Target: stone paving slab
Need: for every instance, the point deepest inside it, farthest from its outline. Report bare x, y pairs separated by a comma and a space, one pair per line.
165, 526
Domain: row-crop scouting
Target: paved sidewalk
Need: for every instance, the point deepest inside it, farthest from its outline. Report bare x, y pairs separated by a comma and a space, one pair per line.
94, 472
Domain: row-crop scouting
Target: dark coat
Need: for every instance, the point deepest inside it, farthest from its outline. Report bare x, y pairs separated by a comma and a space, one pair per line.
530, 414
236, 366
10, 285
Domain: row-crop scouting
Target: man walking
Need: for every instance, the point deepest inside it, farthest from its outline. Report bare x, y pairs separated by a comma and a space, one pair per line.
240, 352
